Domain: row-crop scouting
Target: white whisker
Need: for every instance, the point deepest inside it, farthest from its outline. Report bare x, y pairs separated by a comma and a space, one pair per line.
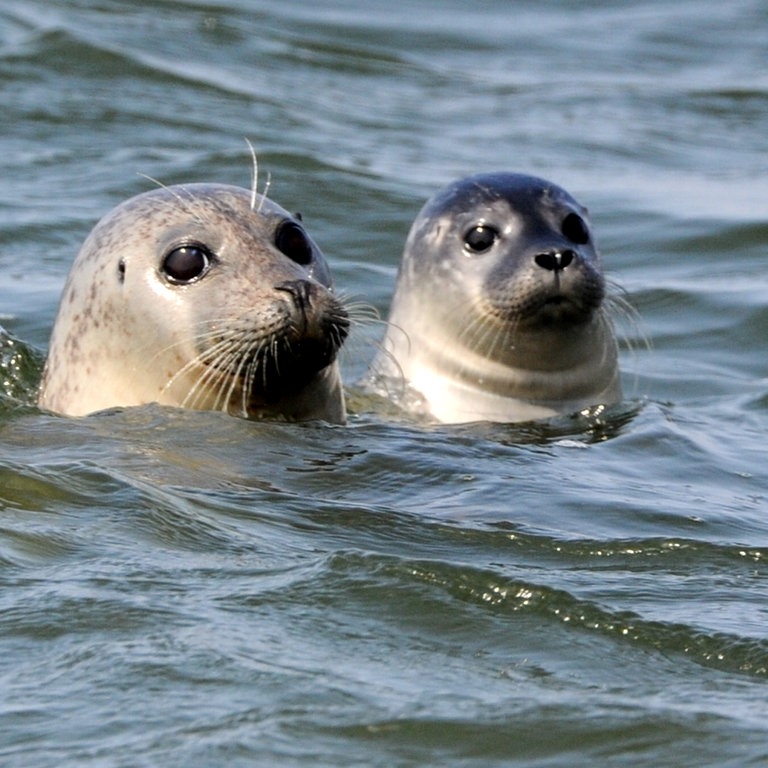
254, 173
266, 190
155, 181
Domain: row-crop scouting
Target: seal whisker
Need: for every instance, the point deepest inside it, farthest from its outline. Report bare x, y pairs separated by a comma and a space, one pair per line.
243, 361
177, 198
155, 181
385, 371
210, 377
226, 351
620, 307
215, 380
243, 357
254, 354
481, 336
254, 174
267, 185
273, 352
207, 383
358, 308
255, 180
239, 360
485, 341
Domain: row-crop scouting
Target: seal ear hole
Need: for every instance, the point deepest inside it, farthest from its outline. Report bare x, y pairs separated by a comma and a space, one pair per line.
575, 229
121, 270
186, 263
291, 240
480, 238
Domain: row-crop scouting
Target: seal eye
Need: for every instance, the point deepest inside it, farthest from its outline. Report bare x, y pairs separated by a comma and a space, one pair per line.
186, 263
294, 243
481, 238
575, 229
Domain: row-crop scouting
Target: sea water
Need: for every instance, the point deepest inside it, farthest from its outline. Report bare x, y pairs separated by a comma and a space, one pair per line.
181, 588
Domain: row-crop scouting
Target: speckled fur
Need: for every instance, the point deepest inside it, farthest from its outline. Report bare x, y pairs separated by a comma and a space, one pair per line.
124, 335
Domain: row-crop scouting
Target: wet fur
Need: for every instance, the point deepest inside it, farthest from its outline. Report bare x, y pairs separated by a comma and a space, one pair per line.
251, 359
492, 335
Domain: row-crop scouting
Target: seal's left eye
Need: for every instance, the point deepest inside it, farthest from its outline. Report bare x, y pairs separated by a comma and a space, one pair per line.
294, 243
479, 239
575, 229
186, 263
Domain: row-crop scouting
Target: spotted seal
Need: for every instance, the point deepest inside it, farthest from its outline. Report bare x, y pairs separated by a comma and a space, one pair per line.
499, 307
205, 296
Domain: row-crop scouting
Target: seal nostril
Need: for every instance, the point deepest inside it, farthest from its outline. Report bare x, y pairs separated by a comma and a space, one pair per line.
300, 291
554, 261
545, 260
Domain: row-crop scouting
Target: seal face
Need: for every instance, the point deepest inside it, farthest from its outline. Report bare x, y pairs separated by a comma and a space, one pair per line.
203, 296
498, 312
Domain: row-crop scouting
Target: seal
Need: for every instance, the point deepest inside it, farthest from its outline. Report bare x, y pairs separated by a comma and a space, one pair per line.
204, 296
499, 307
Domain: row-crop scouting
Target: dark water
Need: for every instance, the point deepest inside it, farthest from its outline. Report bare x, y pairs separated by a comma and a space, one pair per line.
184, 588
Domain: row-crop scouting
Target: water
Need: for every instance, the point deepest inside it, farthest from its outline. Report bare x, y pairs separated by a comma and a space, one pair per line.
184, 588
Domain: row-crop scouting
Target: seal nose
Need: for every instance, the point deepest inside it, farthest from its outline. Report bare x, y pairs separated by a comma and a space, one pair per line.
301, 292
554, 261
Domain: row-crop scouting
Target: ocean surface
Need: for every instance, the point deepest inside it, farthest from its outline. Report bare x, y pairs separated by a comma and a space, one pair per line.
192, 589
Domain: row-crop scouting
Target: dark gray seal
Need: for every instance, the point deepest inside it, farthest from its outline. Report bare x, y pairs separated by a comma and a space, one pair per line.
499, 310
204, 296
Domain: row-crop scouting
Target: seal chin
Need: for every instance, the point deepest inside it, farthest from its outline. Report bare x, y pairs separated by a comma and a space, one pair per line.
259, 367
284, 368
558, 310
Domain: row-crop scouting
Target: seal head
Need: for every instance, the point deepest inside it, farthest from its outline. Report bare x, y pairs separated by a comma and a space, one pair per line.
498, 312
203, 296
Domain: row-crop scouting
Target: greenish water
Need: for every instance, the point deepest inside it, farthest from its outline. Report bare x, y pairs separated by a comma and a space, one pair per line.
183, 588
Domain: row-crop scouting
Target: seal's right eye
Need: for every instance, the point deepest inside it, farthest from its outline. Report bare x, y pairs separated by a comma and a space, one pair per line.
186, 263
481, 238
